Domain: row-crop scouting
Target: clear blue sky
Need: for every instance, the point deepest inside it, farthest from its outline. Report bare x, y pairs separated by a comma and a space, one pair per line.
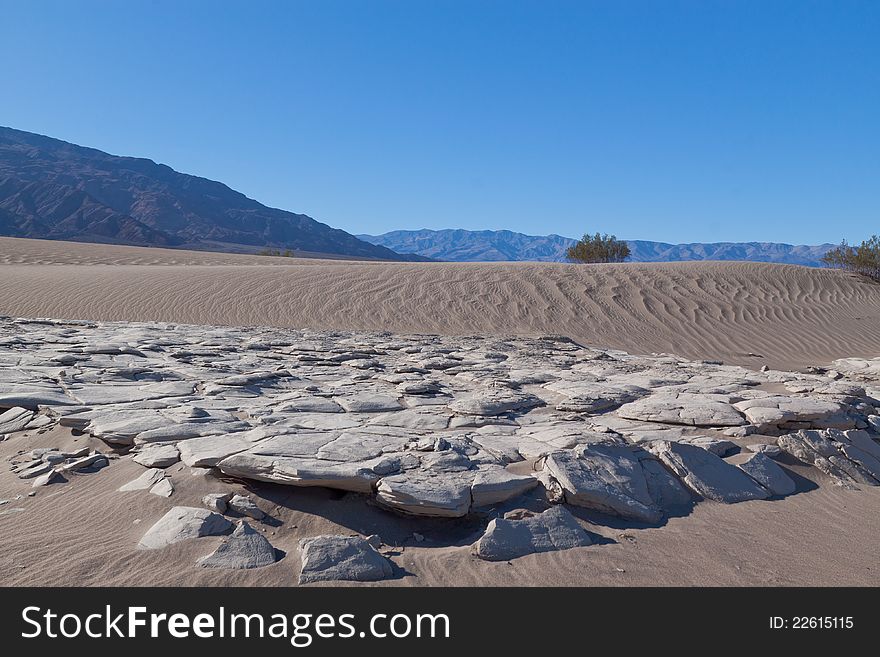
672, 121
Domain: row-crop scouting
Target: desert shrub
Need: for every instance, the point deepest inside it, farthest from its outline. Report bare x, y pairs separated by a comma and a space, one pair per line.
863, 259
598, 248
287, 253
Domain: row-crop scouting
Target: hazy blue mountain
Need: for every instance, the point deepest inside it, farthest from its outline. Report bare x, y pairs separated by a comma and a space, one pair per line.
474, 245
52, 189
503, 245
643, 251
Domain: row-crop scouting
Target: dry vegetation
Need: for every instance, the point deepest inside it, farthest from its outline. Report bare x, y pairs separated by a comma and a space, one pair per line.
598, 248
863, 259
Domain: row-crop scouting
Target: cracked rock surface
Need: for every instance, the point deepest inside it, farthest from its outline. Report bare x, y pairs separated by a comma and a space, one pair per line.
424, 425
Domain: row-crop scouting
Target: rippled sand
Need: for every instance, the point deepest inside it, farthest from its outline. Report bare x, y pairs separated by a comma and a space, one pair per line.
751, 314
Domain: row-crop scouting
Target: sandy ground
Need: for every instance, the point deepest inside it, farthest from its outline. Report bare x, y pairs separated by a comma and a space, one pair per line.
743, 313
85, 532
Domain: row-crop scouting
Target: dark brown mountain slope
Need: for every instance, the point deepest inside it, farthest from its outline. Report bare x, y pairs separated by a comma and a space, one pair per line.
51, 189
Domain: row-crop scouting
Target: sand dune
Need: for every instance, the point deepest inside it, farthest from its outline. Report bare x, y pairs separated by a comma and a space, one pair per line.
745, 313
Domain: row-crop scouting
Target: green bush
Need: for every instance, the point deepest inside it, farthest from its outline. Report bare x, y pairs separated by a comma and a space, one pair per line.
863, 259
598, 248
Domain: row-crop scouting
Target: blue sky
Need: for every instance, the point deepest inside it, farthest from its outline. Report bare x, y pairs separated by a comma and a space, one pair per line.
674, 121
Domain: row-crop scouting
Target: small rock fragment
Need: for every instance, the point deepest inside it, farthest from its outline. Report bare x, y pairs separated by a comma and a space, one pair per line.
217, 501
772, 451
48, 478
554, 529
147, 480
244, 549
163, 488
767, 472
182, 523
246, 507
341, 558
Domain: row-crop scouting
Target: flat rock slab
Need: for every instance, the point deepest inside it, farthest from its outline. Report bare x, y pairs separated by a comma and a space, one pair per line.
341, 558
160, 456
615, 479
824, 450
293, 443
315, 421
593, 397
245, 548
418, 387
865, 368
413, 418
355, 477
182, 523
769, 474
717, 446
683, 408
418, 493
554, 529
91, 461
40, 468
707, 474
495, 402
496, 485
352, 446
865, 441
369, 403
666, 491
208, 451
310, 404
768, 412
185, 430
858, 446
96, 394
31, 397
121, 427
147, 480
15, 419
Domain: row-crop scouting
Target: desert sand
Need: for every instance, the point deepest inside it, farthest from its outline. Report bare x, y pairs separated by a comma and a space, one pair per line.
84, 535
750, 314
85, 531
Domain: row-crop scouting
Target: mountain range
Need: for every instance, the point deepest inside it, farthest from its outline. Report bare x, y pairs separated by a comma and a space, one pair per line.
504, 245
51, 189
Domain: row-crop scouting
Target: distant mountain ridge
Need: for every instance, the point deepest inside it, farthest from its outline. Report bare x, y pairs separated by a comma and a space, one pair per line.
51, 189
503, 245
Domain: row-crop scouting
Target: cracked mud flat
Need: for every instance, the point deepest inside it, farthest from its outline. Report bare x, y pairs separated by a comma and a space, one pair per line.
165, 454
